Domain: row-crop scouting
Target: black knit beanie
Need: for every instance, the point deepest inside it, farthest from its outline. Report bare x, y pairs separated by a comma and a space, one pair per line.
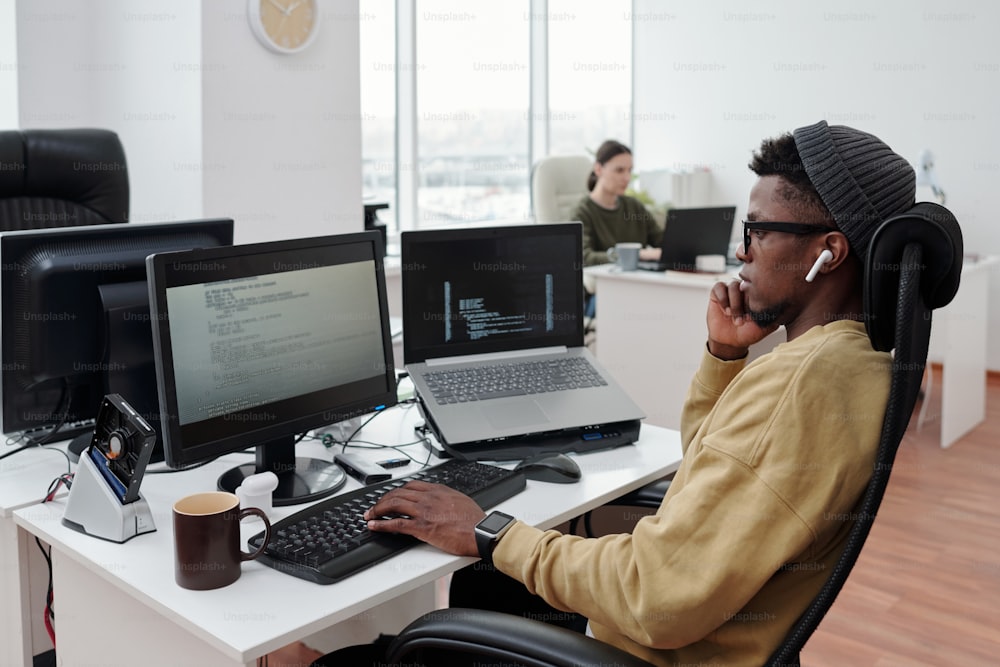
859, 178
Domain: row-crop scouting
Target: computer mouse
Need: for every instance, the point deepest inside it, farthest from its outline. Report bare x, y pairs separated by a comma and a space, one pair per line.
550, 467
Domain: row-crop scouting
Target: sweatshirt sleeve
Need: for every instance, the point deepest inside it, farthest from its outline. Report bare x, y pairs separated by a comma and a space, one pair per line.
656, 585
707, 385
760, 486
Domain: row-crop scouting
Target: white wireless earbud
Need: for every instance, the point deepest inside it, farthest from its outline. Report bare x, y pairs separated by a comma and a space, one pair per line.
823, 258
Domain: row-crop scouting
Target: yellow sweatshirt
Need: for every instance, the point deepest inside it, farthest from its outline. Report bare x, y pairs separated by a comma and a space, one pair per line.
776, 455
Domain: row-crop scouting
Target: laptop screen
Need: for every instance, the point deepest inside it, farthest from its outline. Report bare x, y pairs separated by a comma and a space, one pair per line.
491, 289
690, 232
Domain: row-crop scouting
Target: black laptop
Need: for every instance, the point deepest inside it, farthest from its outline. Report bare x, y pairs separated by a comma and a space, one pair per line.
690, 232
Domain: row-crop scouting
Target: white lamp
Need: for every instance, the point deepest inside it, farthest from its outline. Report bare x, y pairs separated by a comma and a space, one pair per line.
927, 176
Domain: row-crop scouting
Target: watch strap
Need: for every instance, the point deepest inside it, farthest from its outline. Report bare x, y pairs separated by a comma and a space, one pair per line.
484, 544
487, 541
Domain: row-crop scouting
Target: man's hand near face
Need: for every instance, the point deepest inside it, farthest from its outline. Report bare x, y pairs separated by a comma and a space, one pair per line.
731, 330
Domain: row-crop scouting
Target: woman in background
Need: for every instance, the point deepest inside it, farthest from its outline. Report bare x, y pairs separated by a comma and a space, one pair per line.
609, 216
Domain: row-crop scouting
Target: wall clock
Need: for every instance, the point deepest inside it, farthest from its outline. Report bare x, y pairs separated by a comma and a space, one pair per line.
284, 26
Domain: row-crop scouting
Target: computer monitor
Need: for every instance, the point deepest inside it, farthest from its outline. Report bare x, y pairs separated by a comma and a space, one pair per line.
256, 345
75, 311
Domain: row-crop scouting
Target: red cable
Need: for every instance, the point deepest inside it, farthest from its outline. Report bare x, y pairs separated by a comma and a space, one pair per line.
48, 620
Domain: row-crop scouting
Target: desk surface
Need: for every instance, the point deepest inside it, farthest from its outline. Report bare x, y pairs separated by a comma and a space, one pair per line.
266, 609
25, 476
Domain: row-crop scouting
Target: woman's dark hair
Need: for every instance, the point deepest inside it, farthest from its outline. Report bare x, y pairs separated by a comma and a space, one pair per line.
780, 157
605, 152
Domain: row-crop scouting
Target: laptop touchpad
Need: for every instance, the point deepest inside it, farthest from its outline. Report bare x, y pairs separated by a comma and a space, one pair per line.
521, 412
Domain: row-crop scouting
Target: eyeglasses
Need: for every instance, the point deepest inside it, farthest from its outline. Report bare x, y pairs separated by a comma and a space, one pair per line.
785, 227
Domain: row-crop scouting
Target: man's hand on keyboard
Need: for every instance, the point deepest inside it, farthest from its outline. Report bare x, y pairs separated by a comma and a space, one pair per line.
437, 514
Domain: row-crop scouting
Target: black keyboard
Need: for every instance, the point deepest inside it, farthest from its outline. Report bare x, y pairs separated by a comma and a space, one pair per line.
481, 383
328, 541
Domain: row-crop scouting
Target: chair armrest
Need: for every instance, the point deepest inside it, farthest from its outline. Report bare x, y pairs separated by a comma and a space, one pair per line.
650, 495
511, 639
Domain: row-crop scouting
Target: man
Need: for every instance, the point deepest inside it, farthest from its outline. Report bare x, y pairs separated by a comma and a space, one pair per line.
776, 452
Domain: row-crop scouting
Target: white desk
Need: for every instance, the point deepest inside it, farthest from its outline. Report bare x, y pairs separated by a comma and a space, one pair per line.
958, 343
128, 591
651, 333
24, 480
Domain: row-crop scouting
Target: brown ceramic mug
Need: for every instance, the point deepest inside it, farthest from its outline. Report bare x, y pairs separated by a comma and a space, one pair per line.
207, 539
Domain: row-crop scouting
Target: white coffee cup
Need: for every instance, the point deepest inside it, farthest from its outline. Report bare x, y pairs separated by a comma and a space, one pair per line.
625, 255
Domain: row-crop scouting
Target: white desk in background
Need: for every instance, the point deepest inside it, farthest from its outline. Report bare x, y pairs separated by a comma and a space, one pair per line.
958, 343
24, 481
128, 591
651, 333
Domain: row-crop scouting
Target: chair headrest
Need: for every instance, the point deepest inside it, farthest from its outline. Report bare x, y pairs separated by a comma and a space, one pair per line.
937, 232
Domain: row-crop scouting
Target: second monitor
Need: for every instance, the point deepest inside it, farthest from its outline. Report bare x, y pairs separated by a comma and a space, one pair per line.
258, 344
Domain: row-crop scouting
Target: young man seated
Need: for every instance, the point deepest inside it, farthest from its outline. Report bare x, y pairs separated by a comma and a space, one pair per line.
776, 452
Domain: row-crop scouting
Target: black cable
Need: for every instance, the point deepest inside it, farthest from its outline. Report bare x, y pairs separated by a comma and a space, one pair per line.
19, 449
68, 397
22, 448
50, 614
361, 426
54, 485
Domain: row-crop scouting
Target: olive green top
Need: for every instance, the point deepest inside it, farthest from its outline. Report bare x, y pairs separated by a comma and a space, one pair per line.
629, 221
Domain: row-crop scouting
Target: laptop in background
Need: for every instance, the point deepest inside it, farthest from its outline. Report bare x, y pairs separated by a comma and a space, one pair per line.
509, 297
690, 232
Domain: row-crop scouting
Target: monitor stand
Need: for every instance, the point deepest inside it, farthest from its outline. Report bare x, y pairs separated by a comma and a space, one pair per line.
300, 479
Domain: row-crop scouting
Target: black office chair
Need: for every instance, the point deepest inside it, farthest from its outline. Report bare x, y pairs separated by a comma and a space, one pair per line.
914, 265
62, 178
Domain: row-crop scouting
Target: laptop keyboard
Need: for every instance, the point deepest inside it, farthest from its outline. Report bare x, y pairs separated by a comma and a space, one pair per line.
511, 379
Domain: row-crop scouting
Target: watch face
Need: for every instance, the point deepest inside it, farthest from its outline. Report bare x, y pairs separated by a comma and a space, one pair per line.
285, 26
492, 523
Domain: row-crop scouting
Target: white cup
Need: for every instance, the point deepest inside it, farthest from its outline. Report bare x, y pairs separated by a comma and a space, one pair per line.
625, 255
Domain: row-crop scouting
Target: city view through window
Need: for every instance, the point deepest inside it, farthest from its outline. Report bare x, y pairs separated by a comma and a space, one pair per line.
473, 115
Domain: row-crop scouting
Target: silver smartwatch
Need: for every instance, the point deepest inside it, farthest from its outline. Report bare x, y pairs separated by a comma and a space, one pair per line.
489, 531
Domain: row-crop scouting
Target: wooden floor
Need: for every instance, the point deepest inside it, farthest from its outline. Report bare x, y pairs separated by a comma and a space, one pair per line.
926, 589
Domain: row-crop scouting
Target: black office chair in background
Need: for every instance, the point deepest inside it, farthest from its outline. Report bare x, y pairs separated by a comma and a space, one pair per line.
913, 266
62, 178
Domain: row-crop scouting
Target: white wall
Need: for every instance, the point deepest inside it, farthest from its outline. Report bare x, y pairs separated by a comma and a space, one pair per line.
212, 123
8, 64
282, 133
111, 63
713, 79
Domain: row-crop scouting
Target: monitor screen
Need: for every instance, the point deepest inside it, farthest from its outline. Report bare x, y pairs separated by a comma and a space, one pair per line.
258, 344
75, 310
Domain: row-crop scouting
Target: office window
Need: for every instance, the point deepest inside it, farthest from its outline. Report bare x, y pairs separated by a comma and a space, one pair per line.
590, 73
472, 111
446, 99
377, 20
